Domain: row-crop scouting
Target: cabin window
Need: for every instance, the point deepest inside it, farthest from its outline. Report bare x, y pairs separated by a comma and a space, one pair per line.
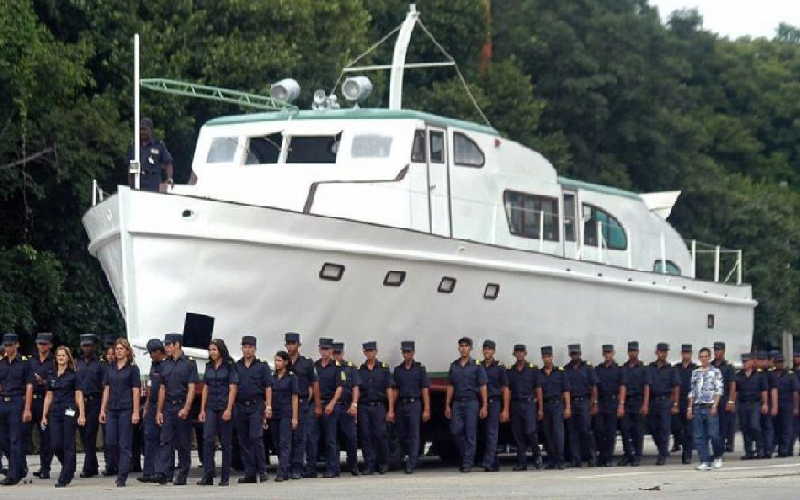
371, 146
264, 150
418, 148
569, 217
465, 152
222, 150
313, 149
672, 268
614, 237
437, 147
524, 211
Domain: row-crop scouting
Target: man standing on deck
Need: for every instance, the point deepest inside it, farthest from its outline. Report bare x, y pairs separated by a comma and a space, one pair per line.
154, 158
466, 383
685, 368
727, 417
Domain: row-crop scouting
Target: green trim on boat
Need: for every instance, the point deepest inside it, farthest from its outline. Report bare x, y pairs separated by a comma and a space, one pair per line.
588, 186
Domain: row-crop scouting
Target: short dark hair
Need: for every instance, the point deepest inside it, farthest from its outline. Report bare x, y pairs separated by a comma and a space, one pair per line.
704, 349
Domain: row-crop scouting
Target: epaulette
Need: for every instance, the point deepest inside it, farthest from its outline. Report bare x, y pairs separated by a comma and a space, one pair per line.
343, 376
531, 365
337, 363
477, 362
759, 370
588, 364
384, 365
291, 374
772, 369
560, 369
349, 363
24, 358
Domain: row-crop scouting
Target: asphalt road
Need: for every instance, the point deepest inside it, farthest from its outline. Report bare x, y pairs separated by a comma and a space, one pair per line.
760, 479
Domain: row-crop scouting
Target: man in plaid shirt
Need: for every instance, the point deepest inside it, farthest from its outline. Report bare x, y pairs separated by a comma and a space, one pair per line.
702, 410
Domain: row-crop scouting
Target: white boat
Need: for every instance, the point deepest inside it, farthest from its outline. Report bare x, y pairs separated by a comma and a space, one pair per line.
393, 224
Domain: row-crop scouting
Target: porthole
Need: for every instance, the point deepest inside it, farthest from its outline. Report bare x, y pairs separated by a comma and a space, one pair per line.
491, 291
331, 272
394, 278
447, 285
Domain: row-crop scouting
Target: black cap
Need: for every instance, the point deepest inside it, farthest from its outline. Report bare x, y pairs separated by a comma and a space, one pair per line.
778, 357
547, 350
761, 354
407, 345
772, 354
10, 338
44, 338
489, 344
747, 356
574, 348
465, 340
171, 338
109, 340
88, 338
719, 346
146, 123
338, 347
633, 345
608, 348
662, 346
686, 348
292, 337
154, 345
249, 340
325, 343
520, 347
370, 346
796, 354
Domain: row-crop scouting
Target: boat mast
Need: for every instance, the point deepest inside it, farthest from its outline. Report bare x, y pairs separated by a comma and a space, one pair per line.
399, 58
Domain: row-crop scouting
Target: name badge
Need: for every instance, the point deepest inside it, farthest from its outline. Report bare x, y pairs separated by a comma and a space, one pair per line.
69, 412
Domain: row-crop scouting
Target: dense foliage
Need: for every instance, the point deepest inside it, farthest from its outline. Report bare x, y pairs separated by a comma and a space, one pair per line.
601, 87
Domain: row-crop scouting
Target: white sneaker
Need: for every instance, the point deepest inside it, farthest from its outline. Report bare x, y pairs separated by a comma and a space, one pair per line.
718, 463
703, 466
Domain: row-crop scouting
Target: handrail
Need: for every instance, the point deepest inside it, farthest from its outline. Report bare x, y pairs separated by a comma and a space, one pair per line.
312, 190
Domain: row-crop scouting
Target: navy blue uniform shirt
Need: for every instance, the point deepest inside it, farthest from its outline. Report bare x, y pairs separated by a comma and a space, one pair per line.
728, 376
153, 156
253, 380
120, 384
523, 382
330, 377
663, 379
351, 380
44, 370
90, 376
582, 378
467, 379
304, 369
154, 381
787, 385
218, 380
555, 384
496, 378
410, 381
178, 374
637, 376
685, 376
63, 387
772, 381
283, 388
610, 377
14, 376
750, 387
374, 383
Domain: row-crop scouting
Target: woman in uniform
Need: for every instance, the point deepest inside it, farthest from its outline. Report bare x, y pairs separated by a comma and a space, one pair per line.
283, 407
66, 402
221, 380
119, 409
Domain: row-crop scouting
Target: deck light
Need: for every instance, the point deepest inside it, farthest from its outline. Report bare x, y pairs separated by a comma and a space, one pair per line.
447, 285
331, 272
357, 88
492, 291
394, 278
286, 90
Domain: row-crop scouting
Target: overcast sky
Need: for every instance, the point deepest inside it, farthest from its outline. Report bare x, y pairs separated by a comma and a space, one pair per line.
735, 18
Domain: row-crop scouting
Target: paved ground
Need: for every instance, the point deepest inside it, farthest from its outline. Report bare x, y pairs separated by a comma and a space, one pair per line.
775, 479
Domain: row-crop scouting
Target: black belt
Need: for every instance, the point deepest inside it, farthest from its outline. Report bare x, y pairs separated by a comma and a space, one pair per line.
409, 400
375, 403
250, 402
704, 405
176, 401
578, 398
467, 399
750, 401
90, 397
608, 396
529, 398
493, 399
38, 396
552, 399
662, 396
635, 396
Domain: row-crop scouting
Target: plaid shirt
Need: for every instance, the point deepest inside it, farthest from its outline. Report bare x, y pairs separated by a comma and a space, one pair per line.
705, 385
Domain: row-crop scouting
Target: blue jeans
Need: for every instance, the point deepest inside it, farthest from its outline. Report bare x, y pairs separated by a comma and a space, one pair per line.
706, 427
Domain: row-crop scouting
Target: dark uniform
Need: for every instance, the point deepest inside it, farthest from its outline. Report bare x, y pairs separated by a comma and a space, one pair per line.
90, 382
663, 379
62, 422
749, 389
767, 445
153, 156
283, 388
176, 433
218, 380
466, 380
582, 382
497, 382
374, 387
610, 378
788, 386
683, 427
15, 374
151, 429
409, 383
345, 423
119, 408
41, 372
303, 368
727, 419
637, 378
331, 377
249, 412
554, 385
523, 381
